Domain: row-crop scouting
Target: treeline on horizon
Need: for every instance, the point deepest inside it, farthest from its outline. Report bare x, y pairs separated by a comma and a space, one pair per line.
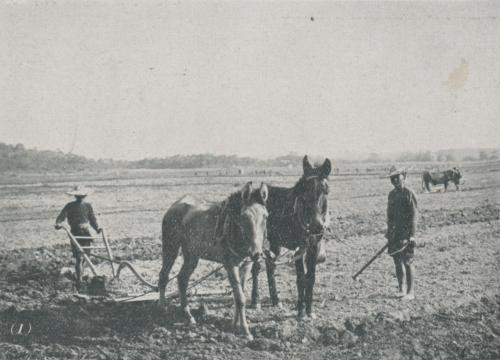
17, 157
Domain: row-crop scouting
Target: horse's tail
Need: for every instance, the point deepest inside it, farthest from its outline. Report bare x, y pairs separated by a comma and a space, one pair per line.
424, 183
170, 240
171, 243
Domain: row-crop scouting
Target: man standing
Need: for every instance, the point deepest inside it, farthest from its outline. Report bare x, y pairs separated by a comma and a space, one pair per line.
402, 214
80, 216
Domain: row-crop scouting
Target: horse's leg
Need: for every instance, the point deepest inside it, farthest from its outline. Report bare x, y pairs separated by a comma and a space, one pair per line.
445, 186
299, 267
236, 316
255, 285
190, 263
311, 260
239, 301
270, 268
245, 273
169, 257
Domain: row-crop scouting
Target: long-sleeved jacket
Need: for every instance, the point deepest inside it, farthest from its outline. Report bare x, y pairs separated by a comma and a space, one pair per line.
79, 214
402, 214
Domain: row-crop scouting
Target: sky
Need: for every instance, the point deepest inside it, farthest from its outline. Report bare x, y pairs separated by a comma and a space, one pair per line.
130, 80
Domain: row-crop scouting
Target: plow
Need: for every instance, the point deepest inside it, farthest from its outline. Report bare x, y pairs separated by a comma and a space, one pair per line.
116, 265
98, 283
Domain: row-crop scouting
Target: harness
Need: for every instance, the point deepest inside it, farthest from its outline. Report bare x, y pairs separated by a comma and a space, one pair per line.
225, 238
304, 226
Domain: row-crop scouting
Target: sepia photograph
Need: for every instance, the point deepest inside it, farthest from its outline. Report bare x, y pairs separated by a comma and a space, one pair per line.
256, 179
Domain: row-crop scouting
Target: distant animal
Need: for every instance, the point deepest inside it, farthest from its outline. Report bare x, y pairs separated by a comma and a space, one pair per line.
298, 217
445, 177
226, 232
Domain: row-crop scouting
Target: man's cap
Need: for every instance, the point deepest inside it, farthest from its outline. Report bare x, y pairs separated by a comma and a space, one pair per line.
79, 191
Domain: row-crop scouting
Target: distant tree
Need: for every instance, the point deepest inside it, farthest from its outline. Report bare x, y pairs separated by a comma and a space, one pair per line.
372, 158
450, 157
441, 157
469, 158
483, 155
424, 156
405, 157
17, 157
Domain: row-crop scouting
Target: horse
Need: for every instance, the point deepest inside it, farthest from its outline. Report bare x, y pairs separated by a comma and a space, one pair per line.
226, 232
444, 177
298, 217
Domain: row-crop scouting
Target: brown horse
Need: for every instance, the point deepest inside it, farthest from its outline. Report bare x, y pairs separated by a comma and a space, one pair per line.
298, 217
226, 233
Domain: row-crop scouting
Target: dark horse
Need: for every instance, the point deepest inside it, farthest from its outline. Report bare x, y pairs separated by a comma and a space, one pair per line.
452, 175
226, 232
298, 217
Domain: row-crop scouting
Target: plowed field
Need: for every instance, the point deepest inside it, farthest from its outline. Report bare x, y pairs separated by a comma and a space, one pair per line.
456, 313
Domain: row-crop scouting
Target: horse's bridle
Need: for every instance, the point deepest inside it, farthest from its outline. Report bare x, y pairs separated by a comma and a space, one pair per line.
305, 226
237, 222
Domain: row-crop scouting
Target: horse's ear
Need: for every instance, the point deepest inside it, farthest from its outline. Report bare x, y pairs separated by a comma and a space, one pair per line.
264, 192
246, 192
326, 168
306, 166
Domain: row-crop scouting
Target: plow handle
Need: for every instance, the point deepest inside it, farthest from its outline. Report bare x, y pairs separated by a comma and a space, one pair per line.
370, 261
79, 248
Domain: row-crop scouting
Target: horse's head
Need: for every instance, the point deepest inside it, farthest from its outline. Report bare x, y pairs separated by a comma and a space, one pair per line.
311, 204
456, 175
253, 218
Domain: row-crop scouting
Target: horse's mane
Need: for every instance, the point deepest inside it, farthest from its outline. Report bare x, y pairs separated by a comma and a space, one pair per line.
230, 209
232, 205
234, 202
281, 201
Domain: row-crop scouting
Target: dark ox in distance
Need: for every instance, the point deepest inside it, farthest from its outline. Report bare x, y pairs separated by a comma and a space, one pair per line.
445, 177
298, 217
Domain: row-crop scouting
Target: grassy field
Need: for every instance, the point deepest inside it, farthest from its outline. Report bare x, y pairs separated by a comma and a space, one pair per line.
455, 315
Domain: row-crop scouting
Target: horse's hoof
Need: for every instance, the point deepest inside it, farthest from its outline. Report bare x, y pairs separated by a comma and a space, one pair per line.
249, 337
301, 315
256, 306
278, 304
312, 316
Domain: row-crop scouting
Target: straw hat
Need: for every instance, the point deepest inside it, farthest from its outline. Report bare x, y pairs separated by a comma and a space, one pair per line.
79, 191
393, 171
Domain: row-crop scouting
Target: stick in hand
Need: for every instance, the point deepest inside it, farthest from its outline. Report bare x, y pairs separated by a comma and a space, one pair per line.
371, 260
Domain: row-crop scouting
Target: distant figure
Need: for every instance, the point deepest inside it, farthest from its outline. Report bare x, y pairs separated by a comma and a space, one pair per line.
80, 216
401, 226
